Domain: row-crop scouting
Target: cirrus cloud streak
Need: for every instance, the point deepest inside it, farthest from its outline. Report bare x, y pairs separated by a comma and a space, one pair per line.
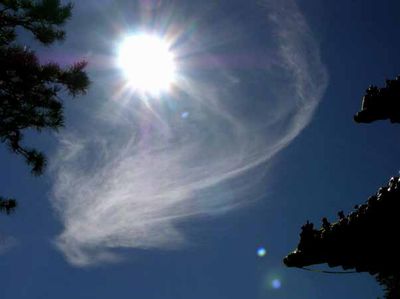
128, 181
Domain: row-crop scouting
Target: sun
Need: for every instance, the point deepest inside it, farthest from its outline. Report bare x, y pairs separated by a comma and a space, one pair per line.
147, 63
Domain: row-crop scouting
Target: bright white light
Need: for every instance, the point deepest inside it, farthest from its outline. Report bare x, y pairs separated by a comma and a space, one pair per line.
147, 63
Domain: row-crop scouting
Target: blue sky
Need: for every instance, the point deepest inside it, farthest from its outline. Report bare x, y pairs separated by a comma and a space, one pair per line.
141, 202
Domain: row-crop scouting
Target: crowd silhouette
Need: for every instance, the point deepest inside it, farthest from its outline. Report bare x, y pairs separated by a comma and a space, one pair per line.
364, 240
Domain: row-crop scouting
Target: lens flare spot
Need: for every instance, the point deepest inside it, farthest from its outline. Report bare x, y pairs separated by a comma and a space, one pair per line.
261, 251
276, 284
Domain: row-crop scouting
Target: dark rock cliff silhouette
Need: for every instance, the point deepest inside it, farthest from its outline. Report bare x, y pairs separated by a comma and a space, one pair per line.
381, 103
366, 239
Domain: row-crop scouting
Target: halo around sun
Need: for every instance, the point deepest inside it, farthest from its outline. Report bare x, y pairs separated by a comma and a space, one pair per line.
147, 63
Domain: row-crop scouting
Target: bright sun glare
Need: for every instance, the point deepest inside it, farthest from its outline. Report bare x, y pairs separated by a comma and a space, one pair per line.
147, 63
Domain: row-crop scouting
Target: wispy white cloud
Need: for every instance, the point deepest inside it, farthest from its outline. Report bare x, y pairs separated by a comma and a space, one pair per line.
128, 180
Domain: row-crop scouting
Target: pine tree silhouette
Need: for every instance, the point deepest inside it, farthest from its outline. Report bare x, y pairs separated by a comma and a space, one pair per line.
30, 91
